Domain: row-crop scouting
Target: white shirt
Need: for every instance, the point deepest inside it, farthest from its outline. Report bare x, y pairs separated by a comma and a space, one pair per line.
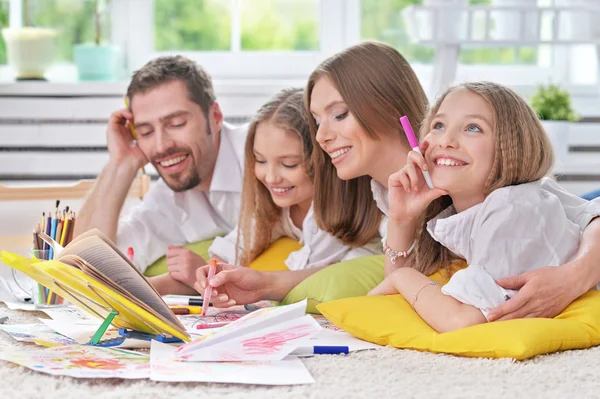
516, 229
167, 218
319, 247
380, 196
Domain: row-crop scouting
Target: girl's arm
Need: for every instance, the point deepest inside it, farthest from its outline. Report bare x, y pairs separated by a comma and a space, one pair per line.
167, 285
235, 285
442, 312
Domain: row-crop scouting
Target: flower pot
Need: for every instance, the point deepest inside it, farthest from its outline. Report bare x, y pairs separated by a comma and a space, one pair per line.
30, 51
96, 62
508, 23
558, 132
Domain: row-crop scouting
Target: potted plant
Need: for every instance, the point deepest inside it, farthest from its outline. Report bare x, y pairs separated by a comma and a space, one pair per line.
29, 50
97, 61
553, 106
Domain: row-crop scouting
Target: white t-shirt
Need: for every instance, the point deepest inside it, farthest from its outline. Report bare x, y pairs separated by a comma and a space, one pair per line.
168, 218
515, 230
319, 247
380, 196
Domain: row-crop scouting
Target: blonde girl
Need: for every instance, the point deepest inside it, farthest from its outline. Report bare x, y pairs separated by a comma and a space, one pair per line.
277, 192
487, 154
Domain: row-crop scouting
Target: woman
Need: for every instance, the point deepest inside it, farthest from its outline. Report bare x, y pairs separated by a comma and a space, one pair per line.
355, 99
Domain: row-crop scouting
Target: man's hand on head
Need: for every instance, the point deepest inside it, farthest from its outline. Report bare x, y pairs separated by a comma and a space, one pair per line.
122, 147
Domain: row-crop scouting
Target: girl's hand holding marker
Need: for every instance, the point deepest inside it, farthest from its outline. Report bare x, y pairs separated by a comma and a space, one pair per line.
411, 189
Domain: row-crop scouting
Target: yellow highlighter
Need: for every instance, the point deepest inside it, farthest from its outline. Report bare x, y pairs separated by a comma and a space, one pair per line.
126, 101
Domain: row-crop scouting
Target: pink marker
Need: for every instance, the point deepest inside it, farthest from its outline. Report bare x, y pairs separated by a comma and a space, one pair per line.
414, 144
130, 254
208, 289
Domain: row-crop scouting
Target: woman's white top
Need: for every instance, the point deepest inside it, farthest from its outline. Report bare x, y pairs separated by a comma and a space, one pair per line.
516, 229
380, 195
319, 247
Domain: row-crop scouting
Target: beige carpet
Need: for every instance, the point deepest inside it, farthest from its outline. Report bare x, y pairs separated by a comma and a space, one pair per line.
385, 373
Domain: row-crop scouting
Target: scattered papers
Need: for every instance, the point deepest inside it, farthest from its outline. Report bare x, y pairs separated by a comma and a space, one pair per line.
264, 335
70, 314
82, 333
35, 332
20, 306
81, 361
164, 367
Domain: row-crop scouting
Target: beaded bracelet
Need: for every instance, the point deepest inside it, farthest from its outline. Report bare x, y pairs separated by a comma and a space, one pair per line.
395, 254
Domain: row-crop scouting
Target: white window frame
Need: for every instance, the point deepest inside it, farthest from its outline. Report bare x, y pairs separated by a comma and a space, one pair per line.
236, 64
133, 31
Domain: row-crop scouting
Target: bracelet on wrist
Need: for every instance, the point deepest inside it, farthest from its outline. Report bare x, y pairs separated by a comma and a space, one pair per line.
393, 255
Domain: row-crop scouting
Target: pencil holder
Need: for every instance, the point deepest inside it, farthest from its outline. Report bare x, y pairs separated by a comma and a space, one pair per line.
42, 296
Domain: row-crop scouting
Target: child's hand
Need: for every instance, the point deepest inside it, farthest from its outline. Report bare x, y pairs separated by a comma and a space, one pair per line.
408, 194
182, 264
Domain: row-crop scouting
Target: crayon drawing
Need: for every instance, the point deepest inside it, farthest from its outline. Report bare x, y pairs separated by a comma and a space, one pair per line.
83, 362
274, 341
191, 321
323, 322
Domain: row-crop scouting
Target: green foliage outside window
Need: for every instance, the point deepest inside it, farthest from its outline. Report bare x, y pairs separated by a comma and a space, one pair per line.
3, 24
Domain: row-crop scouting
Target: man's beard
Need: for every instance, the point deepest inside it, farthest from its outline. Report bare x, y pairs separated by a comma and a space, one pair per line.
191, 181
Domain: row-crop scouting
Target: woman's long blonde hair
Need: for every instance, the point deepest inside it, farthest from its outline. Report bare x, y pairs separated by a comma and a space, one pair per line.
378, 86
258, 212
523, 153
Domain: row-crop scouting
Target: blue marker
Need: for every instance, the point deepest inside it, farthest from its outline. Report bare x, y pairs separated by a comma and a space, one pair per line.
320, 350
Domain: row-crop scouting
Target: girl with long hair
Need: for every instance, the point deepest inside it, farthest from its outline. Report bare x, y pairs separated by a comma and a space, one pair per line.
492, 206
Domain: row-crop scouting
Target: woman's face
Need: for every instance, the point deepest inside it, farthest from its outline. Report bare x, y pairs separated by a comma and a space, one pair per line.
339, 134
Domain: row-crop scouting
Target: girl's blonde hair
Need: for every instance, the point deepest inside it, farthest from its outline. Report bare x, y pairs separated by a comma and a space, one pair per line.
523, 153
378, 86
258, 212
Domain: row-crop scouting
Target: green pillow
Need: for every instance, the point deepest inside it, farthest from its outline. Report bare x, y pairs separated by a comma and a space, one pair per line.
160, 266
354, 277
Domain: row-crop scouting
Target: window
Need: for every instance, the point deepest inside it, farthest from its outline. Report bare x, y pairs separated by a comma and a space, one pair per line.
224, 25
244, 38
295, 21
286, 39
382, 20
73, 19
3, 24
203, 25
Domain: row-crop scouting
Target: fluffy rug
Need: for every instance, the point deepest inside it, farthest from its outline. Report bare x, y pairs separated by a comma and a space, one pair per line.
384, 373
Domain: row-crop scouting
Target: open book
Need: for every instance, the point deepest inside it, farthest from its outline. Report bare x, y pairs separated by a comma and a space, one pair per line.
93, 274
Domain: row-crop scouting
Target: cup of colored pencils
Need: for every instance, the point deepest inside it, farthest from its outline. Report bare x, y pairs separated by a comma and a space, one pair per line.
58, 225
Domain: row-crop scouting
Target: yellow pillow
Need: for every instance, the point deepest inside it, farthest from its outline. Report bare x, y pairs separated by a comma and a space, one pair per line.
273, 259
389, 320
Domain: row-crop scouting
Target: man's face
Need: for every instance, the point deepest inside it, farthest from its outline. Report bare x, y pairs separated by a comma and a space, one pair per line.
176, 136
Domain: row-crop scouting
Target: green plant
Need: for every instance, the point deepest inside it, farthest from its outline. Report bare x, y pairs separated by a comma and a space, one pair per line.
552, 103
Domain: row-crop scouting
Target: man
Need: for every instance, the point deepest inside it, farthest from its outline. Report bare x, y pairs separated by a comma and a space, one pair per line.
199, 157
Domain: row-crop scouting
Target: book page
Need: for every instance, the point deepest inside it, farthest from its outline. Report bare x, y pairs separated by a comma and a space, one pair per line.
101, 256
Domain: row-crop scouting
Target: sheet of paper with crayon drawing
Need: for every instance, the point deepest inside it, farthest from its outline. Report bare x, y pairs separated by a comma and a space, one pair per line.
264, 335
214, 316
164, 367
83, 362
36, 333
